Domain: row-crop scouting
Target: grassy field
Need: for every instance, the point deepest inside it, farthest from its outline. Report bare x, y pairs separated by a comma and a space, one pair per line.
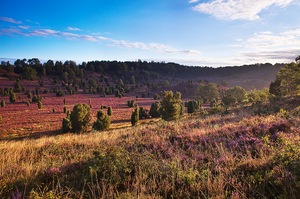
238, 155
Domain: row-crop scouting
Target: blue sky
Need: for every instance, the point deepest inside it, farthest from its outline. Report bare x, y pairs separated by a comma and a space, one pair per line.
190, 32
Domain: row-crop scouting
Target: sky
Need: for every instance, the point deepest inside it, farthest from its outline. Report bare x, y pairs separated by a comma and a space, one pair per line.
189, 32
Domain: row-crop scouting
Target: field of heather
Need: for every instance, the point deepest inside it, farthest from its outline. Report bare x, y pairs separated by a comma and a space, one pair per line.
20, 120
238, 155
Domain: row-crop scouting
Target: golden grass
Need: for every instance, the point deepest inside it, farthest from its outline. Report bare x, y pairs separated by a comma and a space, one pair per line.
24, 160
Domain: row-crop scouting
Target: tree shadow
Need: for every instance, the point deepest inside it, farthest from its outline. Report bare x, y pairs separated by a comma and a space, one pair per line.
34, 136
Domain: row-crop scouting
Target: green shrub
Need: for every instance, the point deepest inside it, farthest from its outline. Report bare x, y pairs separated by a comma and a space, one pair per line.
66, 125
143, 113
37, 91
17, 87
36, 99
130, 103
59, 93
2, 103
109, 111
12, 97
40, 105
229, 101
29, 95
102, 122
217, 109
135, 116
191, 106
154, 110
170, 108
98, 125
65, 109
80, 118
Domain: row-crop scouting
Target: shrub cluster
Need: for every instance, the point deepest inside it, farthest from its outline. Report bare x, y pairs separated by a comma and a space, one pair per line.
78, 119
102, 122
59, 93
130, 103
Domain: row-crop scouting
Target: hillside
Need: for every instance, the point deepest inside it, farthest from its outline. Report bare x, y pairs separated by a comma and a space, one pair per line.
239, 155
257, 76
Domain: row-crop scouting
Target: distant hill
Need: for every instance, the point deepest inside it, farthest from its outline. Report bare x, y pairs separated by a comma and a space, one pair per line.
255, 76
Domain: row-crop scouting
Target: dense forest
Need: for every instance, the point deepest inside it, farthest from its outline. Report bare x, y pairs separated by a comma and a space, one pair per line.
249, 76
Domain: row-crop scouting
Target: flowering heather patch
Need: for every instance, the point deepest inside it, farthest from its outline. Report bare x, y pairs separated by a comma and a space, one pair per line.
32, 121
232, 156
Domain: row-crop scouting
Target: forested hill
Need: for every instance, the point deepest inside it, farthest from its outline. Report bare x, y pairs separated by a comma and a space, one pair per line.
249, 76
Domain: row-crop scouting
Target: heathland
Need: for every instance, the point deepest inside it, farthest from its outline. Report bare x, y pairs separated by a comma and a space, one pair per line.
148, 130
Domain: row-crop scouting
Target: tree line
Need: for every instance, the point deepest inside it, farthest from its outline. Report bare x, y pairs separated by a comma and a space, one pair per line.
33, 67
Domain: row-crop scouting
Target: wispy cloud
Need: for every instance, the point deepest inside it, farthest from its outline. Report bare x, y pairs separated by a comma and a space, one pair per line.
11, 31
155, 47
260, 47
238, 9
269, 40
43, 32
73, 29
10, 20
193, 1
24, 27
271, 56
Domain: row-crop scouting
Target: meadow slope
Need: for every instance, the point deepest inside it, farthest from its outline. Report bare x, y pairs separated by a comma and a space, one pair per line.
238, 155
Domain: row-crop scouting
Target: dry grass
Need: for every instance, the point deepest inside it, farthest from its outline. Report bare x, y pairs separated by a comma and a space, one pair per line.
232, 156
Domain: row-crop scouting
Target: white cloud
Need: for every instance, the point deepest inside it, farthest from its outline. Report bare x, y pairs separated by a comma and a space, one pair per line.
43, 32
238, 9
73, 29
155, 47
10, 20
271, 56
89, 38
281, 47
11, 31
24, 27
193, 1
269, 40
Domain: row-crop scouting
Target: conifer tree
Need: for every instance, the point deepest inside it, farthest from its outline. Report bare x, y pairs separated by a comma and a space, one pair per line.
135, 116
